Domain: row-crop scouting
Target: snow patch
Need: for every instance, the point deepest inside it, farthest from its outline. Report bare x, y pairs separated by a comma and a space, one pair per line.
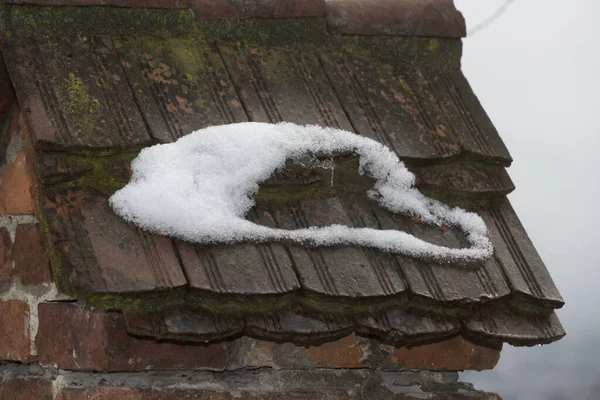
200, 187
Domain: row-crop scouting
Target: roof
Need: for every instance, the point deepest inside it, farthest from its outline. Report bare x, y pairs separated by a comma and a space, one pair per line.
98, 84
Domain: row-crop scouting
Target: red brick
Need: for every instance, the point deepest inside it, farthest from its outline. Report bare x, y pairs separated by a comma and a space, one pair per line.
79, 338
6, 270
451, 355
357, 352
15, 188
25, 389
14, 331
348, 352
31, 260
70, 337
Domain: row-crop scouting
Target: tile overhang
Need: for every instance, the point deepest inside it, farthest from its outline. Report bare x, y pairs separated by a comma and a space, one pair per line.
415, 100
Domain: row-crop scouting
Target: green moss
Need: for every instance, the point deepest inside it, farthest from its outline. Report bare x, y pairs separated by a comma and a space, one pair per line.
434, 45
103, 171
31, 21
62, 280
405, 86
148, 303
85, 108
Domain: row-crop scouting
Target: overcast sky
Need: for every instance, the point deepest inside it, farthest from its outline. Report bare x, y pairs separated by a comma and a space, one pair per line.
536, 71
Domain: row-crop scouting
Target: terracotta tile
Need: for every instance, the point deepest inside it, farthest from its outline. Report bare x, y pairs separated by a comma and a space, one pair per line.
101, 253
503, 325
521, 263
173, 102
115, 96
465, 178
87, 106
434, 18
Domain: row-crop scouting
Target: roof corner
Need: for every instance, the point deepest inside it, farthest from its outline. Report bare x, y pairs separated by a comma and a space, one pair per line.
431, 18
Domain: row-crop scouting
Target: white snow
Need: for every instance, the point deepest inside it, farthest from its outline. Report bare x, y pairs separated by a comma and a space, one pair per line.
200, 188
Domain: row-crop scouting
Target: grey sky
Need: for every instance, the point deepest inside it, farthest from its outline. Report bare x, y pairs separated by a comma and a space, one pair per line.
536, 71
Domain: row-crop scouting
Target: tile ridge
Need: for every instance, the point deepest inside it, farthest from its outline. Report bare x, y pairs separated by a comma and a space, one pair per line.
431, 18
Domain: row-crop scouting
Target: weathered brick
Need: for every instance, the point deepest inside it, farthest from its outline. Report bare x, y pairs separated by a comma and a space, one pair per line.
6, 269
15, 187
451, 355
354, 351
25, 389
348, 352
15, 342
31, 260
80, 338
99, 392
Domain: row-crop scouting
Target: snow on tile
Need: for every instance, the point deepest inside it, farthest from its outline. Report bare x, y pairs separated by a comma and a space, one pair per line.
200, 188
